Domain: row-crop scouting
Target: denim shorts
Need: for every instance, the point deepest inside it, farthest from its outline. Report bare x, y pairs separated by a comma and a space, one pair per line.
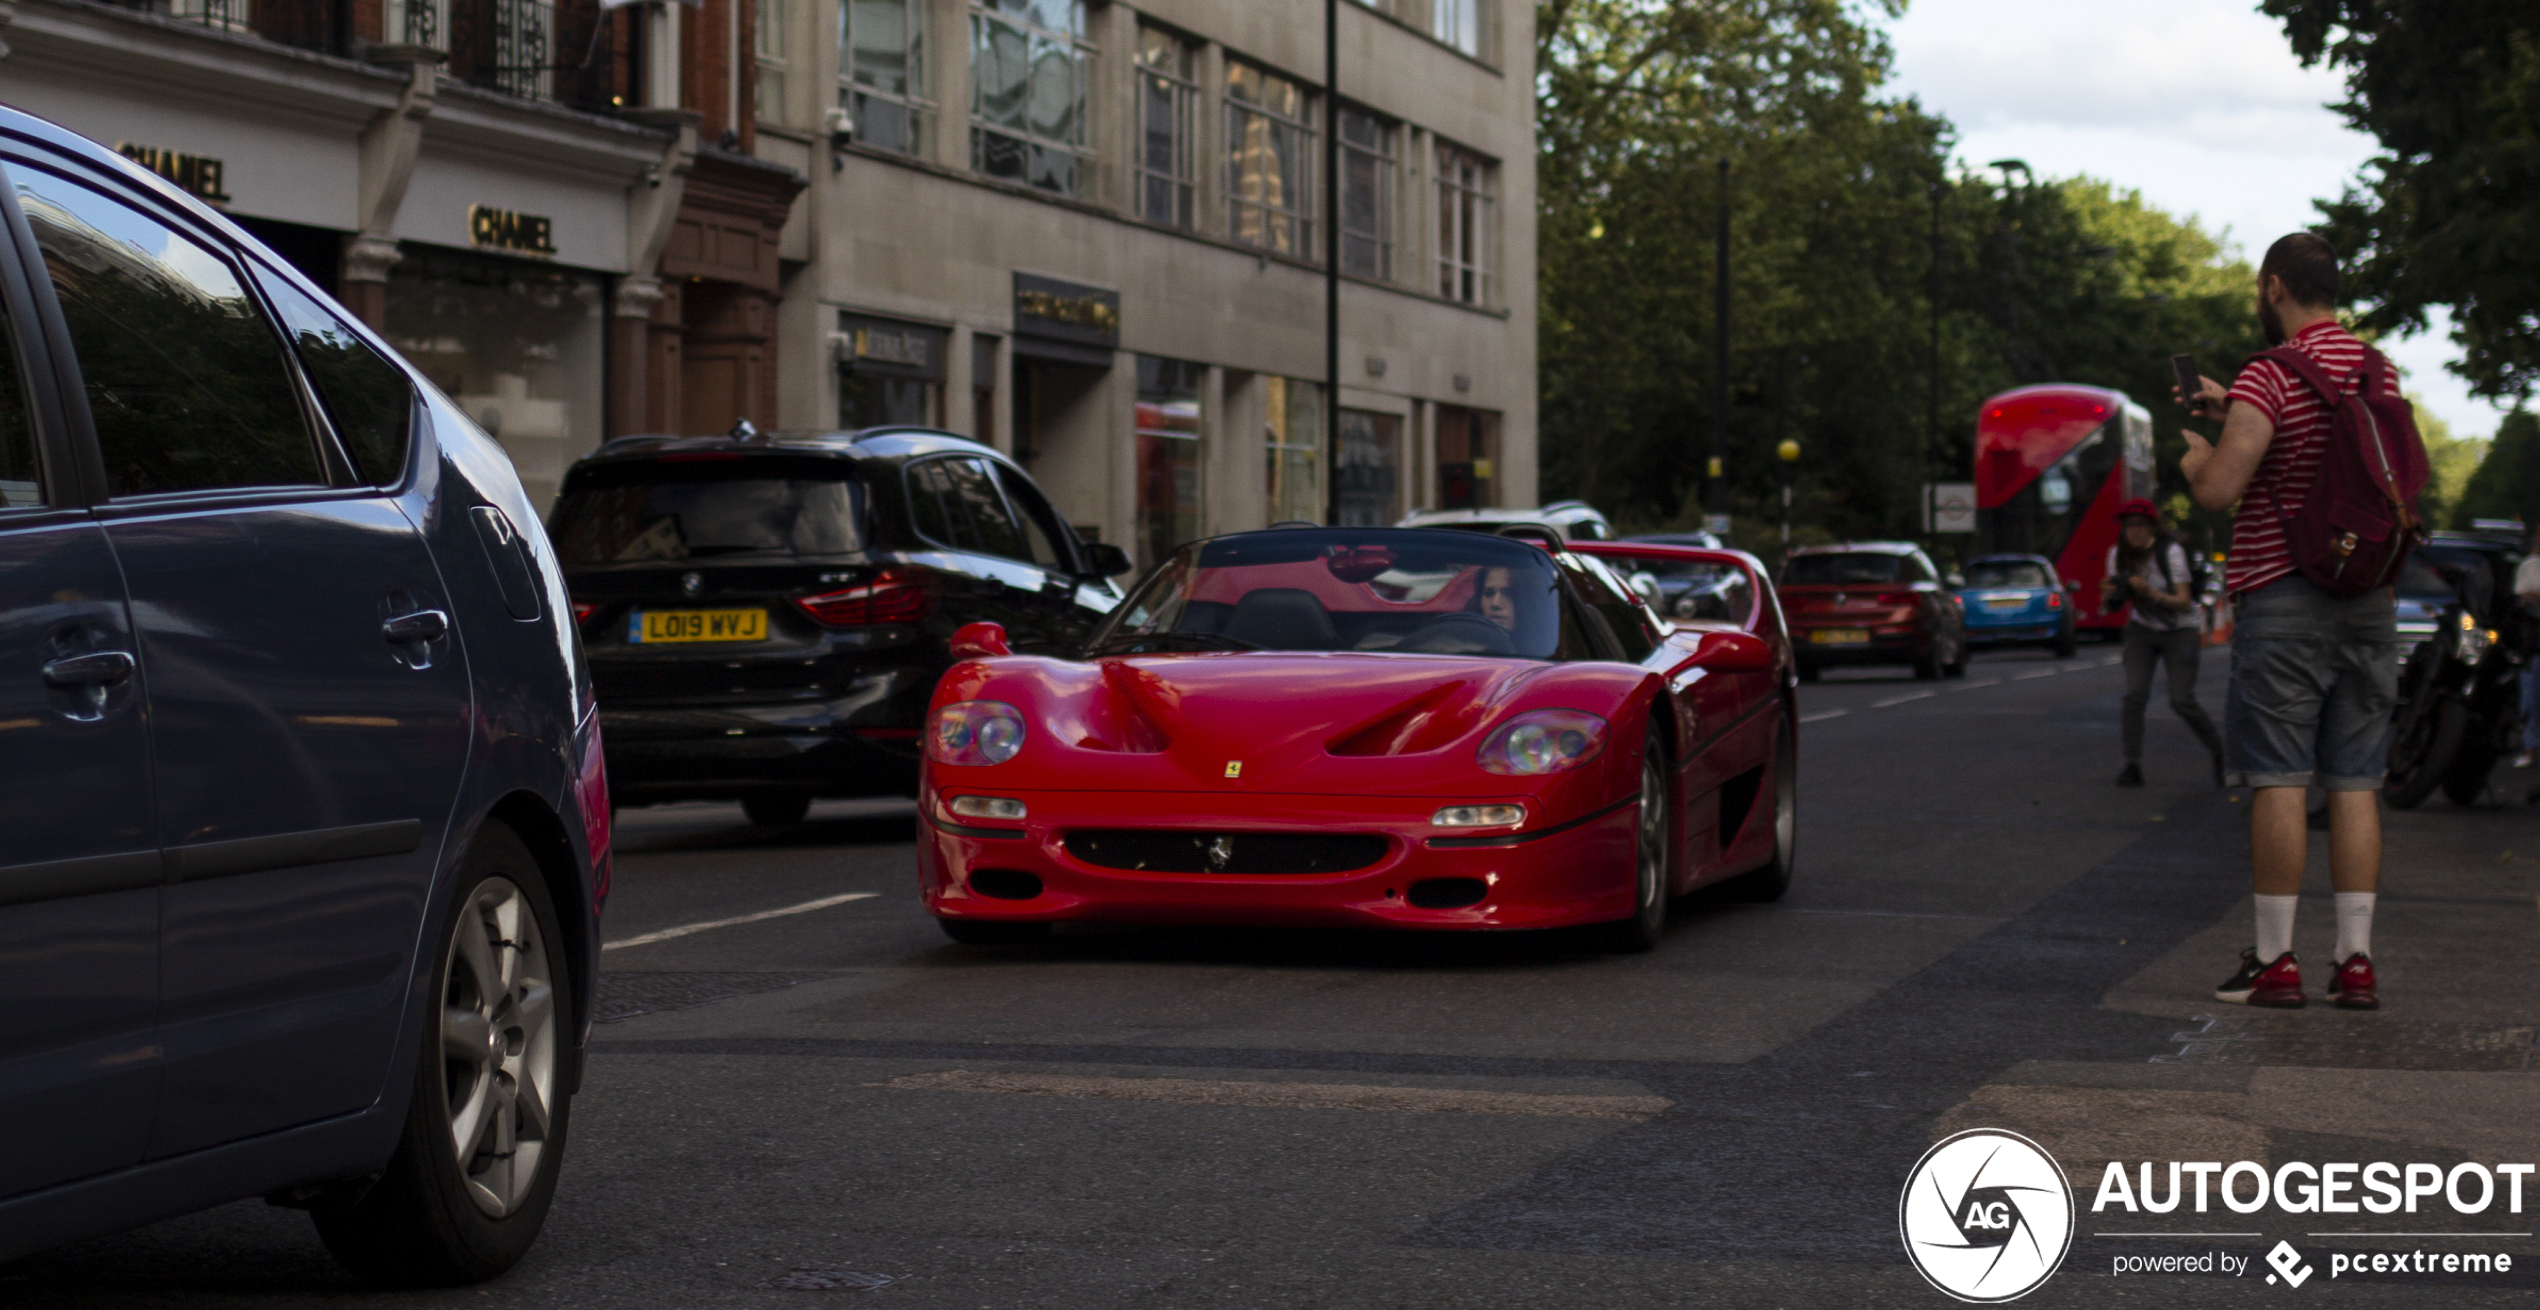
2313, 678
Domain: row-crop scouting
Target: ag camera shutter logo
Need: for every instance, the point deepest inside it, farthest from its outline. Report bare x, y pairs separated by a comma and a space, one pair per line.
1986, 1216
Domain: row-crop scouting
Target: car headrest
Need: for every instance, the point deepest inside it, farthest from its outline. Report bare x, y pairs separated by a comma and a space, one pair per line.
1282, 618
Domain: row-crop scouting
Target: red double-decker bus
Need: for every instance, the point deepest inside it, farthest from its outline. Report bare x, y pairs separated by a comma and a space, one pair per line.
2053, 462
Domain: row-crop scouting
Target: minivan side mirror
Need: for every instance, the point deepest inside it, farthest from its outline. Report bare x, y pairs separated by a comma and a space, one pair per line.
1105, 560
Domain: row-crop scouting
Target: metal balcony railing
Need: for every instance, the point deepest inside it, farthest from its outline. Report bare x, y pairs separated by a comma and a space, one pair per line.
569, 53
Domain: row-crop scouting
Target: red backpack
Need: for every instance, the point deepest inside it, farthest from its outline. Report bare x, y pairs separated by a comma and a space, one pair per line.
2359, 521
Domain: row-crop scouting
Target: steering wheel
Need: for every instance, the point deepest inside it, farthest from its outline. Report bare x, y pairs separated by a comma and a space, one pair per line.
1459, 634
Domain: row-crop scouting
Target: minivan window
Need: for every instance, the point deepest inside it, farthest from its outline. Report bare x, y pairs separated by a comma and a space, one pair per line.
186, 382
366, 396
650, 511
1842, 567
21, 475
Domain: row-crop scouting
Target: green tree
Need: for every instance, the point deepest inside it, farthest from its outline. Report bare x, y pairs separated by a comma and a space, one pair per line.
2451, 460
2507, 483
2441, 217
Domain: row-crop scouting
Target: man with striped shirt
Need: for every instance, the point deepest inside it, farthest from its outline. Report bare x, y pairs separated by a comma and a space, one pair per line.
2313, 675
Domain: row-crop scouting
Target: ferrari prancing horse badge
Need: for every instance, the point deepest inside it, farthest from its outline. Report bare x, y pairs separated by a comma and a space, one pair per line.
1234, 768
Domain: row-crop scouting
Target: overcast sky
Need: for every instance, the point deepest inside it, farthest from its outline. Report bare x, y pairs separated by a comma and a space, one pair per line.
2198, 104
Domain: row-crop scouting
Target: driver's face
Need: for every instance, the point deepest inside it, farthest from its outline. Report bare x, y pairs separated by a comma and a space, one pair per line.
1499, 598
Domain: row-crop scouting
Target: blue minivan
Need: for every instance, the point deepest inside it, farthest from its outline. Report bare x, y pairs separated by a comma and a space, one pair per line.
300, 774
2016, 600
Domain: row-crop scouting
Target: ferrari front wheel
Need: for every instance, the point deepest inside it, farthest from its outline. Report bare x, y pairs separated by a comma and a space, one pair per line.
1648, 922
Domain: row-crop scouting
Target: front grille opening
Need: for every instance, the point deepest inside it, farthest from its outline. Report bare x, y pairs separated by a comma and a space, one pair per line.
1005, 884
1149, 851
1737, 798
1448, 893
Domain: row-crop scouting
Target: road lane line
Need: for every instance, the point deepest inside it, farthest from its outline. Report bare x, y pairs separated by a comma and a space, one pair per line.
2041, 673
1899, 700
1286, 1096
1971, 686
684, 929
1823, 714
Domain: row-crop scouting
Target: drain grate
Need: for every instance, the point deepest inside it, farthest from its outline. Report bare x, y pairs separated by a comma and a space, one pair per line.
2356, 1044
624, 994
833, 1280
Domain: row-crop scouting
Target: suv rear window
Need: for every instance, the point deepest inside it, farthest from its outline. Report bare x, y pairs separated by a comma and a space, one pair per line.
2006, 573
1860, 566
680, 509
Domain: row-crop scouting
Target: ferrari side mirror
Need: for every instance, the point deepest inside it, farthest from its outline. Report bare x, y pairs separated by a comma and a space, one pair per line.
979, 641
1733, 652
1105, 560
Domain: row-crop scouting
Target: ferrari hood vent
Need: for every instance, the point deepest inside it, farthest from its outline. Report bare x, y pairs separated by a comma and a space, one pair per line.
1423, 723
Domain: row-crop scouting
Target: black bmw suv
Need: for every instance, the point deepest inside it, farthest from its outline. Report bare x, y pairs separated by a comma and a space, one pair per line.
766, 615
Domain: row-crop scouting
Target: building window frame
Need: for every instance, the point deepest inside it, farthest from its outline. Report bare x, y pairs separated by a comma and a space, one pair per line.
1466, 186
1167, 159
1038, 145
771, 42
1460, 25
1270, 145
1368, 173
886, 111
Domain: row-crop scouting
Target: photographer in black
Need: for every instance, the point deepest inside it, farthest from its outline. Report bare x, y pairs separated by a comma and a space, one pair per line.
2153, 576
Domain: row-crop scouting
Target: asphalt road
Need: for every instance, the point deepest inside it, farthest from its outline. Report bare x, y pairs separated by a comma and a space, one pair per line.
1983, 932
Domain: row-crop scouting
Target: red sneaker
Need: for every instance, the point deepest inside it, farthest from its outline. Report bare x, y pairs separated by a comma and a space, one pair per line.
2278, 985
2351, 987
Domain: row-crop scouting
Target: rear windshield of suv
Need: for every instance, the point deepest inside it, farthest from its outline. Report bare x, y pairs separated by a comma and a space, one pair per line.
1863, 566
684, 509
2007, 573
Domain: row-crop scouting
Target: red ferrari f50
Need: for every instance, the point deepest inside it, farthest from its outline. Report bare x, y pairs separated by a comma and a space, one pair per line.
1407, 728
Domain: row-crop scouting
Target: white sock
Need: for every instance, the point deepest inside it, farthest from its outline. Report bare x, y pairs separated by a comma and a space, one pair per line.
2275, 926
2354, 924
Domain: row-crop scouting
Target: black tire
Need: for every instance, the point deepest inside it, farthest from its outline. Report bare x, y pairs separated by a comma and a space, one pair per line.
423, 1224
2466, 780
2065, 646
2423, 754
777, 809
1957, 665
1640, 933
1773, 880
1928, 665
992, 932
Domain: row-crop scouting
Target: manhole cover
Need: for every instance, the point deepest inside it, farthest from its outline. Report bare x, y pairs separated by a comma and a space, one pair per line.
832, 1280
623, 995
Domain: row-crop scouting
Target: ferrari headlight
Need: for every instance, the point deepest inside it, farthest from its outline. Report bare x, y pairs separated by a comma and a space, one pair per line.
1478, 816
1543, 741
975, 732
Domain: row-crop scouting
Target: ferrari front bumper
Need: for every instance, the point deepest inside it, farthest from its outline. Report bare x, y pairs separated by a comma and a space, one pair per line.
1550, 872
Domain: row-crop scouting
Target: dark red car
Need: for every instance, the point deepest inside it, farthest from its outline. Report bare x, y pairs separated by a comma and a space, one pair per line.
1872, 602
1398, 728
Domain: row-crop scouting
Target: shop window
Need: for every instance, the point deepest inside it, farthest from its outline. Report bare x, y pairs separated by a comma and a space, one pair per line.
773, 36
1367, 172
1366, 469
1465, 183
1269, 161
187, 385
517, 345
1168, 455
882, 68
1292, 437
890, 374
1166, 94
1030, 67
1458, 23
1465, 465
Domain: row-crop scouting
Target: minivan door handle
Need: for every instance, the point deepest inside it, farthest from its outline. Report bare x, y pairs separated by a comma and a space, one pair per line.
102, 668
422, 625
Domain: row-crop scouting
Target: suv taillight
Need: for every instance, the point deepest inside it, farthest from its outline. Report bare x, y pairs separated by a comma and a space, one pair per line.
896, 595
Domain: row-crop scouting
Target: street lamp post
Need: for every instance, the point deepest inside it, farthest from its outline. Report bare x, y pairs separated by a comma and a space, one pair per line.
1783, 445
1718, 467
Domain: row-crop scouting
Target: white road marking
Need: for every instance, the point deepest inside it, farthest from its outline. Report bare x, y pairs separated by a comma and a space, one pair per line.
1825, 714
2041, 673
1971, 686
1899, 700
684, 929
1285, 1096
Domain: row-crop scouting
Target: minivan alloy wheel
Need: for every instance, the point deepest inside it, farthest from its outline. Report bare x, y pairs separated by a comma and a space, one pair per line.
498, 1045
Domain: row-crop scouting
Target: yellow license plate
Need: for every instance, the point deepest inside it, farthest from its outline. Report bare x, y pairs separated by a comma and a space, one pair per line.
2006, 602
1840, 636
650, 626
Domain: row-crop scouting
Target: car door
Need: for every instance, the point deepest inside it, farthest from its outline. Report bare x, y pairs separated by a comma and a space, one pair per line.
79, 847
955, 502
307, 703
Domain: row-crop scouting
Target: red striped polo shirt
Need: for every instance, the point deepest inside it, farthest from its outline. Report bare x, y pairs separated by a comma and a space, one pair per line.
2258, 551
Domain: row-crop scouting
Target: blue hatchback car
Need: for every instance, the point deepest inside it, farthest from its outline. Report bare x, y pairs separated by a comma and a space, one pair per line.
300, 774
2016, 600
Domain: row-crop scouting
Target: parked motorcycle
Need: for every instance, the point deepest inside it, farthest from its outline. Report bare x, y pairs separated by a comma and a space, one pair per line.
2459, 708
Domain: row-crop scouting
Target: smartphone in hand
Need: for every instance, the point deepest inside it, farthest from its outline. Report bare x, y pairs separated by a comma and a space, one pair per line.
2190, 385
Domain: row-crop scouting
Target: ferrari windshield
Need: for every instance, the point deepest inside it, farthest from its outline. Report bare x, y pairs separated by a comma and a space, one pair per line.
1360, 589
